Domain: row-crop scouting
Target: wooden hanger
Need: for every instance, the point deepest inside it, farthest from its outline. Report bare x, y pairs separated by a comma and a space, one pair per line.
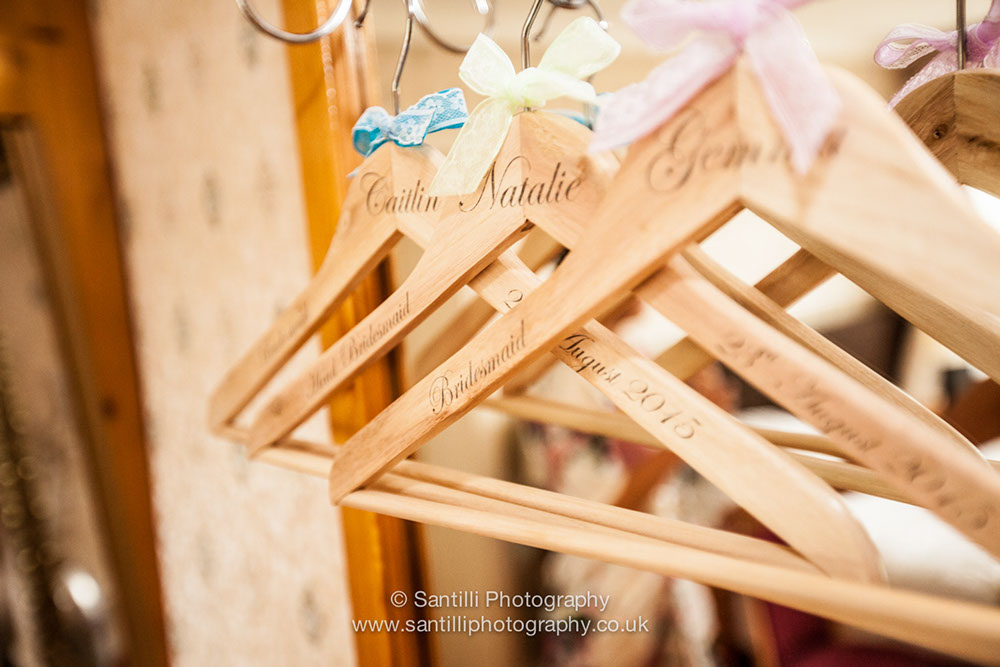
871, 148
543, 175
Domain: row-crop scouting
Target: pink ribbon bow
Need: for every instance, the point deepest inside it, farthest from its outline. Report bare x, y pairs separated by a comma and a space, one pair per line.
909, 42
802, 99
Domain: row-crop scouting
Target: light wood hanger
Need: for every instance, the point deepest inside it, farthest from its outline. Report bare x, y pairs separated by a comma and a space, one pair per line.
871, 156
543, 162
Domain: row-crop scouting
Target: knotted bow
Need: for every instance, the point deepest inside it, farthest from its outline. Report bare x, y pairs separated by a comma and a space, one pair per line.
803, 101
909, 42
435, 112
579, 51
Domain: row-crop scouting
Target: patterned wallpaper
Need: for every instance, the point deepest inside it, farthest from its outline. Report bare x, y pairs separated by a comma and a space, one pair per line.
202, 139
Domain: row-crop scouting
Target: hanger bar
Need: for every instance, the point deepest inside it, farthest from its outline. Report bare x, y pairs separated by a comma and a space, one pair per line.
957, 628
579, 509
839, 474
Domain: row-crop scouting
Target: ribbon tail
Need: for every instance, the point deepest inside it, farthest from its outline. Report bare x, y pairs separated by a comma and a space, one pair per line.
474, 149
638, 109
803, 101
940, 65
580, 50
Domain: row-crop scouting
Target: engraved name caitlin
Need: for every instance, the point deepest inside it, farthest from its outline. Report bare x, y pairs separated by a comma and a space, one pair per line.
445, 388
381, 198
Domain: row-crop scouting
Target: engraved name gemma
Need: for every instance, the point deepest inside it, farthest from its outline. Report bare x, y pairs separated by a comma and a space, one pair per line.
690, 149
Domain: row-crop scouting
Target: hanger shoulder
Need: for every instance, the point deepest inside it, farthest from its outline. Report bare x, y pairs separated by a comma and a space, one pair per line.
881, 210
975, 97
930, 111
879, 197
557, 148
354, 251
457, 252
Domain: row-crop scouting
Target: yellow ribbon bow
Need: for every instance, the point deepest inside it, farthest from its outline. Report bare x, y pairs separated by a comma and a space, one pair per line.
579, 51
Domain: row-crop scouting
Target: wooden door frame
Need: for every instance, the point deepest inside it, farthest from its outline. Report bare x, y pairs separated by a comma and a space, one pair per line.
333, 81
49, 85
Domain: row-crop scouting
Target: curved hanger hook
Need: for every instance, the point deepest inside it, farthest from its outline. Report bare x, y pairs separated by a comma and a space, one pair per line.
415, 12
483, 8
336, 17
570, 4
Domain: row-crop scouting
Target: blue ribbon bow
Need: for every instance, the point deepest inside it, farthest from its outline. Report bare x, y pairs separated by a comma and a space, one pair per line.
443, 110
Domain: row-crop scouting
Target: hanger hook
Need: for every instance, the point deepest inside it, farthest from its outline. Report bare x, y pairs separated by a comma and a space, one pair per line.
484, 8
570, 4
526, 31
337, 17
404, 50
963, 39
415, 8
415, 12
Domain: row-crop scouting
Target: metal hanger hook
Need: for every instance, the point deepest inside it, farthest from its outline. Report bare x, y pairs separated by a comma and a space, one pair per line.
963, 37
570, 4
337, 16
415, 12
554, 4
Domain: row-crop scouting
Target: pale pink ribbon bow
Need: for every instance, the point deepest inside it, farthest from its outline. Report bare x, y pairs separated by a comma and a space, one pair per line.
803, 101
909, 42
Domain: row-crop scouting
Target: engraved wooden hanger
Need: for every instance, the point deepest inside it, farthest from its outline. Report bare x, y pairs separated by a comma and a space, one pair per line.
543, 175
870, 156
